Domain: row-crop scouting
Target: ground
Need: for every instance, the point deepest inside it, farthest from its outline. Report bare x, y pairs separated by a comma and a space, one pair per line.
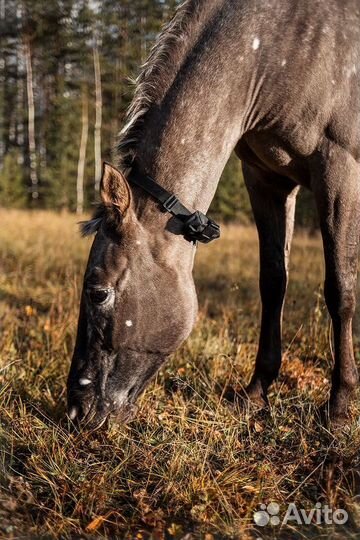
189, 465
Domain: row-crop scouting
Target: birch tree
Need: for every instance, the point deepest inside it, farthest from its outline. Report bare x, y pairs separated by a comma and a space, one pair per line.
98, 113
31, 119
82, 151
2, 87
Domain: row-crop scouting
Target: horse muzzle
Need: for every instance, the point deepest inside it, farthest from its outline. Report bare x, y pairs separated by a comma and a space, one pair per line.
89, 409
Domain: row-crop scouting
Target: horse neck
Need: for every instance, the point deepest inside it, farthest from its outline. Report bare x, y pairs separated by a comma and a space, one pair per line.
188, 135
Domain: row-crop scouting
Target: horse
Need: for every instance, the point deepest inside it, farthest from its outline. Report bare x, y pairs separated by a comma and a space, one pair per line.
279, 83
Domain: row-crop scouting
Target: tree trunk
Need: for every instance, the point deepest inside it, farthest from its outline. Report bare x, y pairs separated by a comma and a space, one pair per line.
82, 152
98, 115
31, 120
2, 89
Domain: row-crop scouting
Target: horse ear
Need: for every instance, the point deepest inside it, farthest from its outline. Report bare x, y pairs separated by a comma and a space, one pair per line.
114, 189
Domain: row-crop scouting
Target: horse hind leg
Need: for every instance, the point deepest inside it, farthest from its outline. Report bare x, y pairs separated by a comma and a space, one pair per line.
274, 209
336, 184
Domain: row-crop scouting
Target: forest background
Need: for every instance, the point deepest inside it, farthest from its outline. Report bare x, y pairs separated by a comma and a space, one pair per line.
65, 67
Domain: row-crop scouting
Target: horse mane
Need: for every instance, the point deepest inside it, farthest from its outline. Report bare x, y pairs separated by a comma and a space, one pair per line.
91, 226
157, 75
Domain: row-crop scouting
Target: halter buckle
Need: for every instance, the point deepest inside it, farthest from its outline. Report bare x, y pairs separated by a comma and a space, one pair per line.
199, 227
169, 204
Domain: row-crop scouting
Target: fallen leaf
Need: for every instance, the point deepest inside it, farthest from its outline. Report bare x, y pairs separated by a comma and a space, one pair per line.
97, 522
30, 311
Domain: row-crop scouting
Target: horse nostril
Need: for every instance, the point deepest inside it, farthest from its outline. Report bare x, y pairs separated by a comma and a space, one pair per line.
131, 392
78, 412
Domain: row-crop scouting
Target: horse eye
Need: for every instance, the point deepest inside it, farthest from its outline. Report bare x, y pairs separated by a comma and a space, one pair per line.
98, 296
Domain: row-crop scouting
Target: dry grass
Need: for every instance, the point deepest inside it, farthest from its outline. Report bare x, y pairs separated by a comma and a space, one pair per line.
188, 463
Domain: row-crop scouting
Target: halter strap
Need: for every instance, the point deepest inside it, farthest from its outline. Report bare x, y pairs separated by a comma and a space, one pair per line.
197, 227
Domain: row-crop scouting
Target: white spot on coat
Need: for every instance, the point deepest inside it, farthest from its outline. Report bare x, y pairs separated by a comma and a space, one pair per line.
73, 413
283, 63
84, 381
256, 44
128, 323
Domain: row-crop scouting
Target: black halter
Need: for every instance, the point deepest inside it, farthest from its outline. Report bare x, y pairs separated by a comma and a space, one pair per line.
196, 225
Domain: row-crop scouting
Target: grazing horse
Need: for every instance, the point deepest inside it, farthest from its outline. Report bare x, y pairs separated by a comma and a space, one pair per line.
279, 82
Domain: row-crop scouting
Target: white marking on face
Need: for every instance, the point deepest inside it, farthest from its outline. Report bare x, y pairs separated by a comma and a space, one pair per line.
73, 413
84, 381
256, 43
128, 323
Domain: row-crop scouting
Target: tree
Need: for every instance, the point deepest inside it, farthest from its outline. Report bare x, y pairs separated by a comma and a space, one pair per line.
12, 189
31, 117
98, 112
82, 152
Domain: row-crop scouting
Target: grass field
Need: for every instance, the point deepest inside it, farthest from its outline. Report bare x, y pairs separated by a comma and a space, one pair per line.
189, 465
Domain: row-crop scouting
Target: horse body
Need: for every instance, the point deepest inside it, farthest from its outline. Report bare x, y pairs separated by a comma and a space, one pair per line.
277, 81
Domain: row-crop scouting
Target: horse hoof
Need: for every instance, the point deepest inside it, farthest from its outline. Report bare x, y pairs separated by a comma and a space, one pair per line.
246, 400
335, 421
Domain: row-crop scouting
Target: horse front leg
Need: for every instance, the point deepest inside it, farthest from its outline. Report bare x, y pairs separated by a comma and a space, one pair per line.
336, 184
274, 210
